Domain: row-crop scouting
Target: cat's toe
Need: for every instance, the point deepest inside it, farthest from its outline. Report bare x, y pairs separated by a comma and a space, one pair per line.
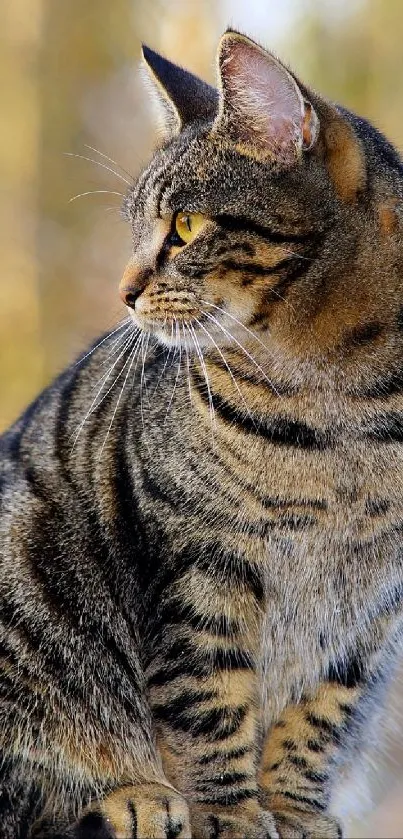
141, 811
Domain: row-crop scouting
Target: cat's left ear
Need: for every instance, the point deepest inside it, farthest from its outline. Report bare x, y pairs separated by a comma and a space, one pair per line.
180, 98
262, 109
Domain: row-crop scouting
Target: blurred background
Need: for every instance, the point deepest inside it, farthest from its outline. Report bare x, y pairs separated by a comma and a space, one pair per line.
71, 82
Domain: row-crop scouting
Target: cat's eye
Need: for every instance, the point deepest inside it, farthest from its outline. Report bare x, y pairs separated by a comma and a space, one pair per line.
187, 225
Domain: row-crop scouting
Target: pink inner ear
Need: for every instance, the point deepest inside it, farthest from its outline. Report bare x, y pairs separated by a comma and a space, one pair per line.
264, 97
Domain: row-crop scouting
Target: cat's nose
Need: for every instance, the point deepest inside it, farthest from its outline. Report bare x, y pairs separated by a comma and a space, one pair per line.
133, 283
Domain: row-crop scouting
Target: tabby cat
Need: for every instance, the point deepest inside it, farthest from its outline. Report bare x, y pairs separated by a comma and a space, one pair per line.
201, 522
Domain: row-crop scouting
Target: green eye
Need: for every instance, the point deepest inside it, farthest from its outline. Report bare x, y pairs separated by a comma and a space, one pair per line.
188, 225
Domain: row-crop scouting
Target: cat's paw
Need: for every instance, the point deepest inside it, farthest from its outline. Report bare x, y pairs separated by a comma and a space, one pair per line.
295, 824
240, 822
142, 811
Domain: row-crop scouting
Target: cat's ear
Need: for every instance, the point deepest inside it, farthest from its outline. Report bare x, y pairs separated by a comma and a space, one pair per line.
179, 96
262, 108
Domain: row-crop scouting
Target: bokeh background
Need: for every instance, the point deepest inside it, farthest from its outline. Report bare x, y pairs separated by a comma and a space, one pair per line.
70, 80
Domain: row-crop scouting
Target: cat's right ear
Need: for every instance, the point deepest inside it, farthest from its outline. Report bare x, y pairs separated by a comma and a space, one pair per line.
179, 97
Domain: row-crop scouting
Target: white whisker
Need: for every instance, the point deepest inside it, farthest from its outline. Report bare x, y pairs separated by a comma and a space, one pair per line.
239, 322
95, 192
94, 405
109, 335
111, 160
130, 362
241, 347
98, 163
227, 366
118, 342
106, 375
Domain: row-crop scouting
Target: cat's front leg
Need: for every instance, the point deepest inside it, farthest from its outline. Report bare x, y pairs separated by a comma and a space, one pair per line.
203, 692
303, 753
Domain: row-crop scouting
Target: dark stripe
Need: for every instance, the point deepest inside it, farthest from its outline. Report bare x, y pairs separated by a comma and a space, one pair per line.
298, 267
346, 709
272, 767
254, 269
133, 815
302, 799
278, 430
387, 428
236, 223
232, 658
231, 798
316, 777
293, 523
361, 335
348, 673
225, 756
315, 746
180, 659
182, 704
232, 569
376, 506
157, 493
37, 487
217, 658
389, 385
298, 761
290, 745
224, 779
164, 675
229, 247
329, 730
174, 612
215, 724
277, 503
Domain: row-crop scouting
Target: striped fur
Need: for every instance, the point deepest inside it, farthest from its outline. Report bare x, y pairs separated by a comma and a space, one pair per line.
201, 521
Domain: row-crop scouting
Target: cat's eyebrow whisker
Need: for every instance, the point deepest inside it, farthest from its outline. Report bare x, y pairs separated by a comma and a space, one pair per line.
96, 192
109, 335
99, 163
227, 366
111, 160
244, 350
205, 373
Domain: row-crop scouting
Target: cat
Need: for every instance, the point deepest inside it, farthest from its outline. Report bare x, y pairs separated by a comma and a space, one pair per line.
201, 521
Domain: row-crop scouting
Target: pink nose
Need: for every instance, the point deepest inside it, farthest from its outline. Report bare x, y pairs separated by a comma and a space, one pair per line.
133, 283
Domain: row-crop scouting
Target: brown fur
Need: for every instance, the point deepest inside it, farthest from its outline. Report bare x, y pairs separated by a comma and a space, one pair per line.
202, 595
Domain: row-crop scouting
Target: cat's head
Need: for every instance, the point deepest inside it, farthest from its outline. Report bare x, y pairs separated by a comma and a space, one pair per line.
256, 211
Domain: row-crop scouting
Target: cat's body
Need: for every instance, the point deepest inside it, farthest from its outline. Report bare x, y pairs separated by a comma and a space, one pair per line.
208, 590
